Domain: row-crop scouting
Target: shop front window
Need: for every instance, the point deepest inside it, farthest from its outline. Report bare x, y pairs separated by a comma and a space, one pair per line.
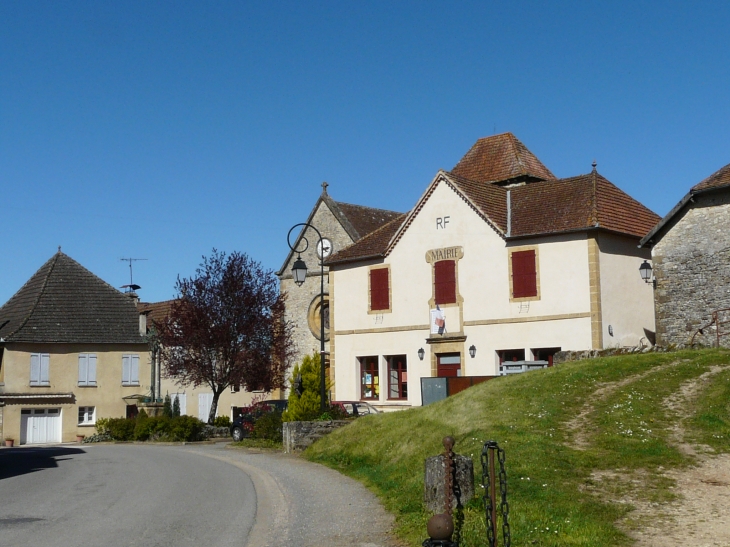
369, 377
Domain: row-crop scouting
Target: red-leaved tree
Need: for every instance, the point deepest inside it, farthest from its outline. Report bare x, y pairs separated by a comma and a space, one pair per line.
226, 327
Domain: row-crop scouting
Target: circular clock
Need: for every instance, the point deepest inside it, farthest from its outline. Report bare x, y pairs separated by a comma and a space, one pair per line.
324, 248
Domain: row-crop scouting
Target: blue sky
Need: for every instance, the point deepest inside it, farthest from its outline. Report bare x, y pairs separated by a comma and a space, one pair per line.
160, 130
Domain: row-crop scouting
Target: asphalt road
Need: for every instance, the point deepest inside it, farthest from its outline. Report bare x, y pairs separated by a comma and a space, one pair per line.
152, 495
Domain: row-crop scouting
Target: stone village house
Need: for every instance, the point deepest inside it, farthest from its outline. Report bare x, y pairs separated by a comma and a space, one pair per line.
497, 255
72, 349
690, 251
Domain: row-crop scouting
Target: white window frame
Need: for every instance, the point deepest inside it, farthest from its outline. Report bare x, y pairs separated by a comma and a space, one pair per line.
87, 415
87, 369
130, 369
39, 366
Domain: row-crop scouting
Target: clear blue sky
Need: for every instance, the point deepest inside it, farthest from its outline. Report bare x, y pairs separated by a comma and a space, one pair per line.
160, 130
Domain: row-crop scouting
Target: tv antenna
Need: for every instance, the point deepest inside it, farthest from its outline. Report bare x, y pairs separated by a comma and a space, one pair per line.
131, 287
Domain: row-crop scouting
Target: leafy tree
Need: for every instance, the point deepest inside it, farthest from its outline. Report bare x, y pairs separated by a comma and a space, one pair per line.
226, 327
306, 406
176, 407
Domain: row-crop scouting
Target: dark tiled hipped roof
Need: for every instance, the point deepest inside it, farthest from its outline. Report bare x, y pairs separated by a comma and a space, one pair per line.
64, 302
718, 179
501, 159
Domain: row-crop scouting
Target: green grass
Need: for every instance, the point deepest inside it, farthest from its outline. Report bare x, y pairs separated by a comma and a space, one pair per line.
559, 495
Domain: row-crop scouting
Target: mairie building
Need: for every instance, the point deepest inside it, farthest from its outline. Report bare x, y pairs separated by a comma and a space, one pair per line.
497, 256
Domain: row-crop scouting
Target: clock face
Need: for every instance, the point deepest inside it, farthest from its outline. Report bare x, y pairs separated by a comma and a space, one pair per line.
324, 248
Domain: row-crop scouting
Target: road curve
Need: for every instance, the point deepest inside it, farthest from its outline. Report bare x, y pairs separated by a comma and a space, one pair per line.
121, 495
153, 495
305, 504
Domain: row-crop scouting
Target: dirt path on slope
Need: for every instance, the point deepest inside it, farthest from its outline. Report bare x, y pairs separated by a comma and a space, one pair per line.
579, 428
701, 515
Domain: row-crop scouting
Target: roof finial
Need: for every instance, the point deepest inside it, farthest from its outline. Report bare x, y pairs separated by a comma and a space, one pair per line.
324, 188
59, 248
594, 165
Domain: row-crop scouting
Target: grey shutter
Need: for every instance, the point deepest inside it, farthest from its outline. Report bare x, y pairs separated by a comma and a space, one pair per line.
134, 377
44, 369
126, 369
83, 369
91, 377
35, 369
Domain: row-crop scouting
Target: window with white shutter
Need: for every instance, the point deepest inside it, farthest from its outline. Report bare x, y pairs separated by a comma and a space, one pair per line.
87, 415
39, 369
87, 369
130, 370
205, 401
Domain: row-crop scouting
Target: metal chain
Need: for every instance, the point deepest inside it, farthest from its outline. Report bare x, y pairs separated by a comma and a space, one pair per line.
489, 449
486, 482
504, 505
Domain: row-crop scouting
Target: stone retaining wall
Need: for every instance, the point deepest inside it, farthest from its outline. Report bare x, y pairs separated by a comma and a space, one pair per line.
300, 435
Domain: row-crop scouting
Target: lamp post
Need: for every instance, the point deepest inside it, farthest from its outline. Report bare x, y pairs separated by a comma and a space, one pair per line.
299, 272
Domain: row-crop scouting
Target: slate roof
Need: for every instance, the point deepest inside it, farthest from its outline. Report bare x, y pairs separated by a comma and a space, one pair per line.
541, 208
501, 159
366, 219
63, 302
717, 180
356, 220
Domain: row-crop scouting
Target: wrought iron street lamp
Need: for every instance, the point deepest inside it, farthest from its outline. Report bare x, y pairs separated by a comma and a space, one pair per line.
299, 272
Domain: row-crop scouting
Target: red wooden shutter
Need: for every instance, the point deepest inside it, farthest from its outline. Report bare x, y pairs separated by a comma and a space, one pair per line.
524, 274
379, 293
445, 282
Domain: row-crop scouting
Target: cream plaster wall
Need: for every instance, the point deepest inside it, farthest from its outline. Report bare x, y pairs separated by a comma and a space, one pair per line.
559, 317
627, 302
226, 402
106, 397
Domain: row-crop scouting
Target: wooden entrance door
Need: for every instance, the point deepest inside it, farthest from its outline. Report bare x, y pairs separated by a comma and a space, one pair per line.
448, 364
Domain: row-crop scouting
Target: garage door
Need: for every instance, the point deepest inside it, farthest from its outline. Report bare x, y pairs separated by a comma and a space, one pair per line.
40, 425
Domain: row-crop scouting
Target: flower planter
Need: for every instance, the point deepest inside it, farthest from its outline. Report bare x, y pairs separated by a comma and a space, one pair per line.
9, 443
80, 438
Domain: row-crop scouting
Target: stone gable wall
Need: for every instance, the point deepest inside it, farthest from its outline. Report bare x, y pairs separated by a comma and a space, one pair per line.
692, 268
301, 299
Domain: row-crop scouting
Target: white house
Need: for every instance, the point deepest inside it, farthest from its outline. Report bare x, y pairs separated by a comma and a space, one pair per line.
497, 255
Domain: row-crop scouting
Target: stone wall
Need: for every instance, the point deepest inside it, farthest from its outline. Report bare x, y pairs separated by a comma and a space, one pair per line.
304, 301
692, 268
300, 435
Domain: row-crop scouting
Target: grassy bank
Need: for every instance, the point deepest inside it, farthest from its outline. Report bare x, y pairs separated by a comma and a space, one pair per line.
568, 478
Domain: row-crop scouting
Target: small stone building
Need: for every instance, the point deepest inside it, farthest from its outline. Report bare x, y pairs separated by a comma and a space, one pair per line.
690, 249
340, 225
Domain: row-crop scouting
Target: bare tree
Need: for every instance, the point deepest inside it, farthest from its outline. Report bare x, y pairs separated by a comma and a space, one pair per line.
226, 328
